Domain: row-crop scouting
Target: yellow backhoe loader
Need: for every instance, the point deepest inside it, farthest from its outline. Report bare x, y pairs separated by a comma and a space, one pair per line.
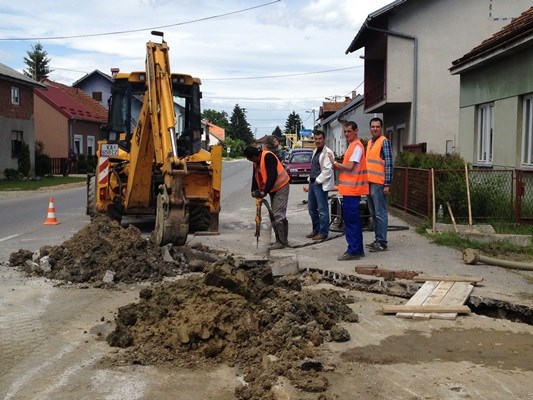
155, 159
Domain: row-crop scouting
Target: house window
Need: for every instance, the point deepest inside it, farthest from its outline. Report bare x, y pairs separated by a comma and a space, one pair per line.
97, 96
527, 132
90, 146
16, 143
15, 95
485, 125
78, 144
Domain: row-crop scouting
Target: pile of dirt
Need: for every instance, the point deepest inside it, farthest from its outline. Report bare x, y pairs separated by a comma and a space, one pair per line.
239, 315
266, 328
104, 251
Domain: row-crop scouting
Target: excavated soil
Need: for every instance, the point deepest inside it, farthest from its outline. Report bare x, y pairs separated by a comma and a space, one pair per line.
231, 313
104, 247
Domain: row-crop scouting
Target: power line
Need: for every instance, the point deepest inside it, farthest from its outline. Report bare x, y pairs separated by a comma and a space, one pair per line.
143, 29
281, 76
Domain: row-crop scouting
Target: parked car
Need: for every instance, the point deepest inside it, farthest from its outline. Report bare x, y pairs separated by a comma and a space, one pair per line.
299, 165
292, 151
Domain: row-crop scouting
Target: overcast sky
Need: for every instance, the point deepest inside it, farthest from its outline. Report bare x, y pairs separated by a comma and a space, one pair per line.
270, 57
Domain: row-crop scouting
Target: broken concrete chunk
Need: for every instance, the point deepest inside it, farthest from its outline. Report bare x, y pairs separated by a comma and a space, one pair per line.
109, 277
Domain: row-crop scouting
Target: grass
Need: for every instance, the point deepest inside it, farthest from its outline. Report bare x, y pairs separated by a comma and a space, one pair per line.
498, 248
46, 181
507, 227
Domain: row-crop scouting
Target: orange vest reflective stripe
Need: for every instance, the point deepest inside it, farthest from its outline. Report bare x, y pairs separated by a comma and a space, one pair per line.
261, 173
354, 182
375, 164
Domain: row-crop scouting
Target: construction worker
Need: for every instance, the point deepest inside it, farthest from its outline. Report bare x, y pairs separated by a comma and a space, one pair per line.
380, 171
353, 183
269, 177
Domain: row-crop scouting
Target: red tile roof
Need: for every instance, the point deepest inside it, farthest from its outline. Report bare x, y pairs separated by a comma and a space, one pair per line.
216, 131
521, 26
72, 102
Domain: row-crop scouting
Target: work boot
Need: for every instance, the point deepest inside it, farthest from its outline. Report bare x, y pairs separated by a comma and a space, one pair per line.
281, 236
285, 237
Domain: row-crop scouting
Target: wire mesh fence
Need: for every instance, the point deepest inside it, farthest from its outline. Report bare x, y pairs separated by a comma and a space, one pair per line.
482, 194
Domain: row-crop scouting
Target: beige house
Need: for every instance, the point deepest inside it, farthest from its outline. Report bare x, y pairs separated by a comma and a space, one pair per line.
496, 114
409, 46
67, 118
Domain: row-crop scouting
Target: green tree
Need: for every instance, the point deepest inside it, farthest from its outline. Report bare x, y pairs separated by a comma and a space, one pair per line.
237, 147
37, 62
293, 124
219, 118
43, 163
239, 127
277, 132
24, 161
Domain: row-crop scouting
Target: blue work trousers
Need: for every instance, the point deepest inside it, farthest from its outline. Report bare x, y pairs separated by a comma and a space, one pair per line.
317, 204
377, 205
353, 228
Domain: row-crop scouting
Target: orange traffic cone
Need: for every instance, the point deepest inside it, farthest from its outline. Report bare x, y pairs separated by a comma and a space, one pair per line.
51, 217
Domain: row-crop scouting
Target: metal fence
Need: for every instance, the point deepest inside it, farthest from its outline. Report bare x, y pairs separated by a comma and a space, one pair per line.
59, 166
493, 194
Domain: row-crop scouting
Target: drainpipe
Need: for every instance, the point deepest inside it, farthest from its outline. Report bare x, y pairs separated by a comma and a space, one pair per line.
415, 69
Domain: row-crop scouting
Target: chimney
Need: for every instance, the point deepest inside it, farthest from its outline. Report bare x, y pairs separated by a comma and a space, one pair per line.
114, 72
354, 94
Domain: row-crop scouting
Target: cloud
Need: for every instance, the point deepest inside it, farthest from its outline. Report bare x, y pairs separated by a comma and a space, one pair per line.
283, 38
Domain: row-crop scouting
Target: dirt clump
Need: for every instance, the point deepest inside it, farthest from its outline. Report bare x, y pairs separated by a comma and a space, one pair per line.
103, 252
245, 318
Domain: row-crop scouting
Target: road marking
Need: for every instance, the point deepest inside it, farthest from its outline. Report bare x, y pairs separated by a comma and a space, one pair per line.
10, 237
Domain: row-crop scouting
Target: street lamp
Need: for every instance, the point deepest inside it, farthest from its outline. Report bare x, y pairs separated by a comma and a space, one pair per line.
314, 120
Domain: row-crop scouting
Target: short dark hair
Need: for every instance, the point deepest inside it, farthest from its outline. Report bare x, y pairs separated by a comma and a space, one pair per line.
376, 119
350, 124
319, 132
251, 152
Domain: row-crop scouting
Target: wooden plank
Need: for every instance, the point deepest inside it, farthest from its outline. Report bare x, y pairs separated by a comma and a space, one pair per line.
454, 278
419, 297
391, 309
435, 298
458, 294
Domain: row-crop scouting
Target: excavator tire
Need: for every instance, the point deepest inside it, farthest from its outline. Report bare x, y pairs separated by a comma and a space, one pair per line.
91, 196
199, 218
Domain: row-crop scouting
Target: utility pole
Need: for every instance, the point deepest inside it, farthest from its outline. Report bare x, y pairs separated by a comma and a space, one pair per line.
314, 119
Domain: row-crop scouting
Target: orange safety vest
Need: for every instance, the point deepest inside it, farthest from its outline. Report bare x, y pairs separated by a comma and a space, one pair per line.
261, 174
354, 182
375, 164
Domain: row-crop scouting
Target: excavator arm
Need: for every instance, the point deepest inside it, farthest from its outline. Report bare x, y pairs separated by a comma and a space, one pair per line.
153, 145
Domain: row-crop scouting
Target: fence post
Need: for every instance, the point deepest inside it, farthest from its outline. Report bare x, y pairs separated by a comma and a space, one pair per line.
429, 192
519, 194
405, 189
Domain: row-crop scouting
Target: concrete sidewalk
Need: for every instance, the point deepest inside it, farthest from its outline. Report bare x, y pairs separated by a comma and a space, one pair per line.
502, 289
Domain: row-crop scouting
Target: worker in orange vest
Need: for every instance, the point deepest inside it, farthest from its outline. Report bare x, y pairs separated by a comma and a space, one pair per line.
380, 166
270, 177
353, 183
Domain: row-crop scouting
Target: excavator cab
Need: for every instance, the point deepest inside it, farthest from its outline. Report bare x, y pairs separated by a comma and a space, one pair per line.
126, 102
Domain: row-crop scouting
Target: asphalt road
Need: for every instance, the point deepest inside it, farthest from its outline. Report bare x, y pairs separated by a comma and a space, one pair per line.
22, 213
